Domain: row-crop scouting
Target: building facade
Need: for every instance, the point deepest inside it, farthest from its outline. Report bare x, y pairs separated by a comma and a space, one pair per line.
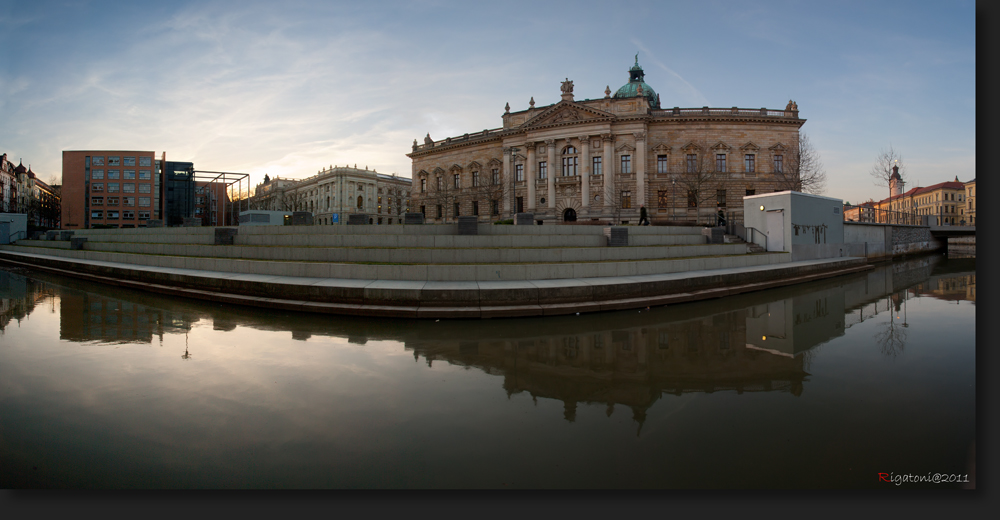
970, 202
111, 188
21, 191
943, 203
338, 191
602, 159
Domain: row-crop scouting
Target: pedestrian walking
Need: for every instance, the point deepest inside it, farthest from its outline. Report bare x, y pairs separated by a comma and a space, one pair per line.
643, 218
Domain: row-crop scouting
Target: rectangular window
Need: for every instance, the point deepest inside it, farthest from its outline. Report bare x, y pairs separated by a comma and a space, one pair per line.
720, 198
520, 204
661, 198
112, 201
98, 214
692, 163
661, 164
113, 174
128, 187
495, 207
145, 161
475, 208
114, 161
144, 188
97, 187
423, 185
128, 215
439, 184
720, 162
112, 215
750, 163
98, 161
143, 215
626, 164
569, 166
439, 210
128, 161
128, 174
456, 210
626, 199
597, 166
692, 198
143, 175
143, 202
97, 201
475, 179
519, 172
458, 181
97, 174
496, 176
751, 192
128, 201
112, 187
541, 170
777, 164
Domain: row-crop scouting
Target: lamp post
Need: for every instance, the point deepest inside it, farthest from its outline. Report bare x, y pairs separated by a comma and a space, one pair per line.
513, 181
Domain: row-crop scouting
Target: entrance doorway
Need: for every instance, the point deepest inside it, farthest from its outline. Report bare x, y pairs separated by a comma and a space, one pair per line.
569, 215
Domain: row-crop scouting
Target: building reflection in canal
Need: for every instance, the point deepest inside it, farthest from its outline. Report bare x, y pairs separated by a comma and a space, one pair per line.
758, 342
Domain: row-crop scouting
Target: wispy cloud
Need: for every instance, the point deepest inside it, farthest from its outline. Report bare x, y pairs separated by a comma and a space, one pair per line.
692, 94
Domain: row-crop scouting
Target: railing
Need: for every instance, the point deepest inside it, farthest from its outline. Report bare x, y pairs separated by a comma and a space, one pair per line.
880, 216
734, 111
753, 233
459, 139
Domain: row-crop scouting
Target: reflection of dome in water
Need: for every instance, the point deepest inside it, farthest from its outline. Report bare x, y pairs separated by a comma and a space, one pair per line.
637, 87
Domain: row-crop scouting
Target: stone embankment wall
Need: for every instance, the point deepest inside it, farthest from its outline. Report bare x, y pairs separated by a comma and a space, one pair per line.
884, 241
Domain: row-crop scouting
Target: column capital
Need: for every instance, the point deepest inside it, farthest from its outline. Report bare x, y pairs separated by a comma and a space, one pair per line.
640, 136
507, 150
608, 138
584, 139
550, 142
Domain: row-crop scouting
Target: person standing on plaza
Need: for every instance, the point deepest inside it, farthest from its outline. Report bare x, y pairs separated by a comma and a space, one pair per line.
643, 218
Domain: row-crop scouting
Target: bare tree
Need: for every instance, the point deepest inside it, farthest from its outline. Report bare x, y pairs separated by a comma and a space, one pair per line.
488, 190
700, 181
886, 166
804, 170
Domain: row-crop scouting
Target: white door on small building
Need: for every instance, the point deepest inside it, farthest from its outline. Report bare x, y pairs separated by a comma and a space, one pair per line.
776, 230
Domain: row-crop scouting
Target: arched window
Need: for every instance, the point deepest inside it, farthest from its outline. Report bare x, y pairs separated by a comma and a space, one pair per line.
361, 202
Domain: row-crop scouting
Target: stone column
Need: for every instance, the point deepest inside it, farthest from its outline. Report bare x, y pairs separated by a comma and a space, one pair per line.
609, 169
550, 148
505, 177
585, 170
531, 175
640, 167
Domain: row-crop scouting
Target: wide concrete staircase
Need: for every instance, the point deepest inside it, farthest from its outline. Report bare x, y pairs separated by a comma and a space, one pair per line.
417, 253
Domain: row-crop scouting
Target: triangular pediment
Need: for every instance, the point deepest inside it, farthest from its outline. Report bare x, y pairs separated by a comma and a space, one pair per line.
750, 146
625, 148
720, 146
661, 148
777, 148
691, 147
565, 112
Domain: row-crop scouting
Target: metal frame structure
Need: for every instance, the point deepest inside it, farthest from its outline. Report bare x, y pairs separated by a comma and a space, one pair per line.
212, 179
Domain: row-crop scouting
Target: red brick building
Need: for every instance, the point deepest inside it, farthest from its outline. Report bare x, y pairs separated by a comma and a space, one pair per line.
110, 189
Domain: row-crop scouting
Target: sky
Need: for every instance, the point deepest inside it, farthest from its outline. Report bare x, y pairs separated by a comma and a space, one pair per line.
288, 88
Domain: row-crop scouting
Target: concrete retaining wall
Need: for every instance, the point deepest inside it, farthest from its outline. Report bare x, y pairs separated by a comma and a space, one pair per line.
883, 241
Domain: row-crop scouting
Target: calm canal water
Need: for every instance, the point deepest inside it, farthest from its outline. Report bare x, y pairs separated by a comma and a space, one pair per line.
822, 385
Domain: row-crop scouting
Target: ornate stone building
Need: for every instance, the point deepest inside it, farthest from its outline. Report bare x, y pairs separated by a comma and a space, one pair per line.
335, 192
601, 159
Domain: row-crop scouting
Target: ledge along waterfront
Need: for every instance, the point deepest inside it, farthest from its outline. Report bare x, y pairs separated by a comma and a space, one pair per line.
826, 384
427, 271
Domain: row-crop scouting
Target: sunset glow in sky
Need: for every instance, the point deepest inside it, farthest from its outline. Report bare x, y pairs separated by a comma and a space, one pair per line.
288, 88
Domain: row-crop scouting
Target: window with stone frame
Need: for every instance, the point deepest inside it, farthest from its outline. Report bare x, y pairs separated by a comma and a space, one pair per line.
423, 185
495, 207
569, 162
626, 164
520, 204
692, 198
439, 211
475, 179
518, 172
597, 166
662, 197
475, 208
542, 172
692, 163
439, 184
720, 162
458, 181
778, 166
626, 199
495, 176
749, 163
457, 207
661, 164
720, 198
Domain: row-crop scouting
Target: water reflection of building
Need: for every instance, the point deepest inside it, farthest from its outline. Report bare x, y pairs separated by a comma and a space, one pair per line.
794, 325
19, 295
94, 317
950, 287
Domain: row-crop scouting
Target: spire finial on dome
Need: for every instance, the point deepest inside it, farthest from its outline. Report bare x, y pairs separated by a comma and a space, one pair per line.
637, 59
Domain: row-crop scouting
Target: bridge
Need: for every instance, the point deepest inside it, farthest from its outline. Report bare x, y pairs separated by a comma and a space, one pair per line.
946, 232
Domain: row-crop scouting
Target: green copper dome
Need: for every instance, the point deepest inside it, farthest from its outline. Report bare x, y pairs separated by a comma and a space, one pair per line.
635, 82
